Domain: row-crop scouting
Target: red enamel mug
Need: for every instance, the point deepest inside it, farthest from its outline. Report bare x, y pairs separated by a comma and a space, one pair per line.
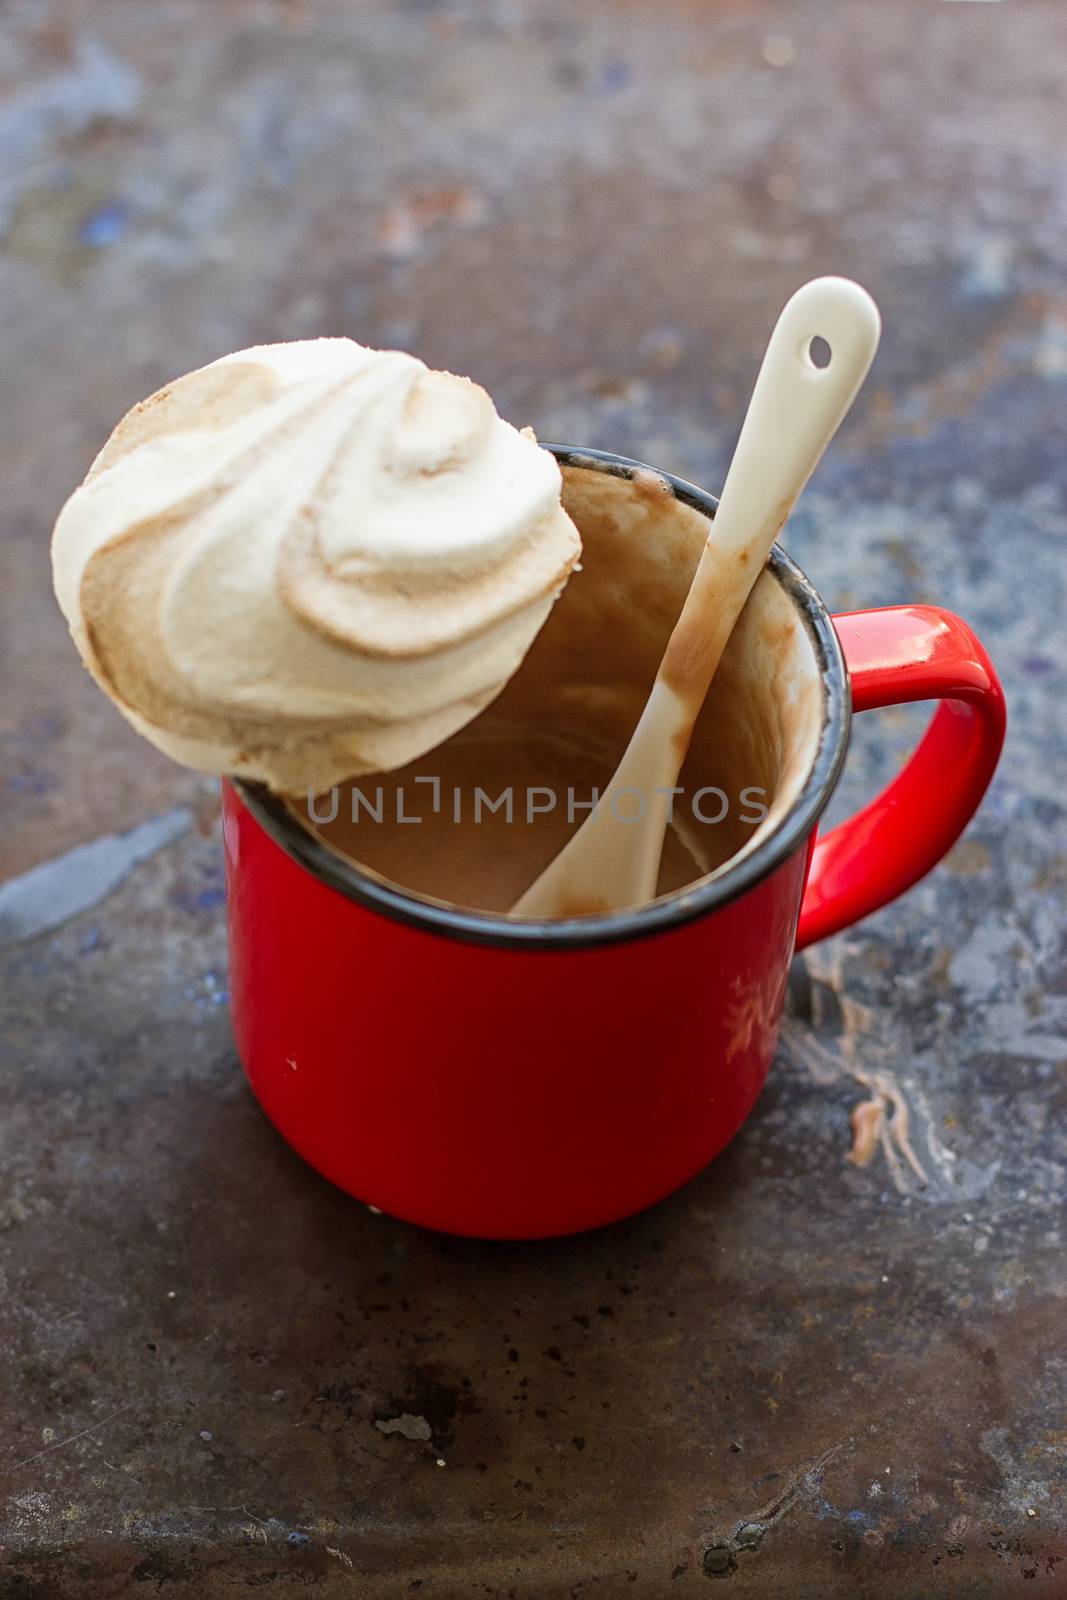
513, 1079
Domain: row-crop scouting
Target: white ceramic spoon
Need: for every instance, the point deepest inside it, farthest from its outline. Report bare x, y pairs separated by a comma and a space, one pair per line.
796, 408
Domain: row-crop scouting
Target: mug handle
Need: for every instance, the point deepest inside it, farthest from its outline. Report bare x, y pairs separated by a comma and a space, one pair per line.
896, 655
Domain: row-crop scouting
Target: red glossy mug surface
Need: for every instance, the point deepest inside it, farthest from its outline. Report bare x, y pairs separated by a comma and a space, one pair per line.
514, 1080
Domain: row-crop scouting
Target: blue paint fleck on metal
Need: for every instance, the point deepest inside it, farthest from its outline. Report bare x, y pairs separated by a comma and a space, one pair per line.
208, 897
614, 75
104, 226
32, 783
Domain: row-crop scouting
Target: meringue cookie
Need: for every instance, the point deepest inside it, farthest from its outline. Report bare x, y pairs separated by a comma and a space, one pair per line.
311, 560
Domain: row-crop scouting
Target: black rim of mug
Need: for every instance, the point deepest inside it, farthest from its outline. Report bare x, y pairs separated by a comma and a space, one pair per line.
696, 900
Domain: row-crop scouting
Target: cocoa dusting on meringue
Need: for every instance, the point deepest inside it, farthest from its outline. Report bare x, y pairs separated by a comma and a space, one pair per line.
308, 561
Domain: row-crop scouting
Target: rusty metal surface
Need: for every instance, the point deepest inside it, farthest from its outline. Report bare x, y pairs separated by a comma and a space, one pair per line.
799, 1376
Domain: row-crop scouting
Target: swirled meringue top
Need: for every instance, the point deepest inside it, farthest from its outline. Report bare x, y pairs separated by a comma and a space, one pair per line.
310, 560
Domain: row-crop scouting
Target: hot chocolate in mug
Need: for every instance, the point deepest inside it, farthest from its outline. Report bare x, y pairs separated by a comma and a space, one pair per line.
506, 1078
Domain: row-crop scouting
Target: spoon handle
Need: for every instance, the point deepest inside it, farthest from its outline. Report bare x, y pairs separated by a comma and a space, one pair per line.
795, 410
796, 407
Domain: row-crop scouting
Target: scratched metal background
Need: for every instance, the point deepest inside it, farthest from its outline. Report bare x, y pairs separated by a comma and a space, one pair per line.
800, 1376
